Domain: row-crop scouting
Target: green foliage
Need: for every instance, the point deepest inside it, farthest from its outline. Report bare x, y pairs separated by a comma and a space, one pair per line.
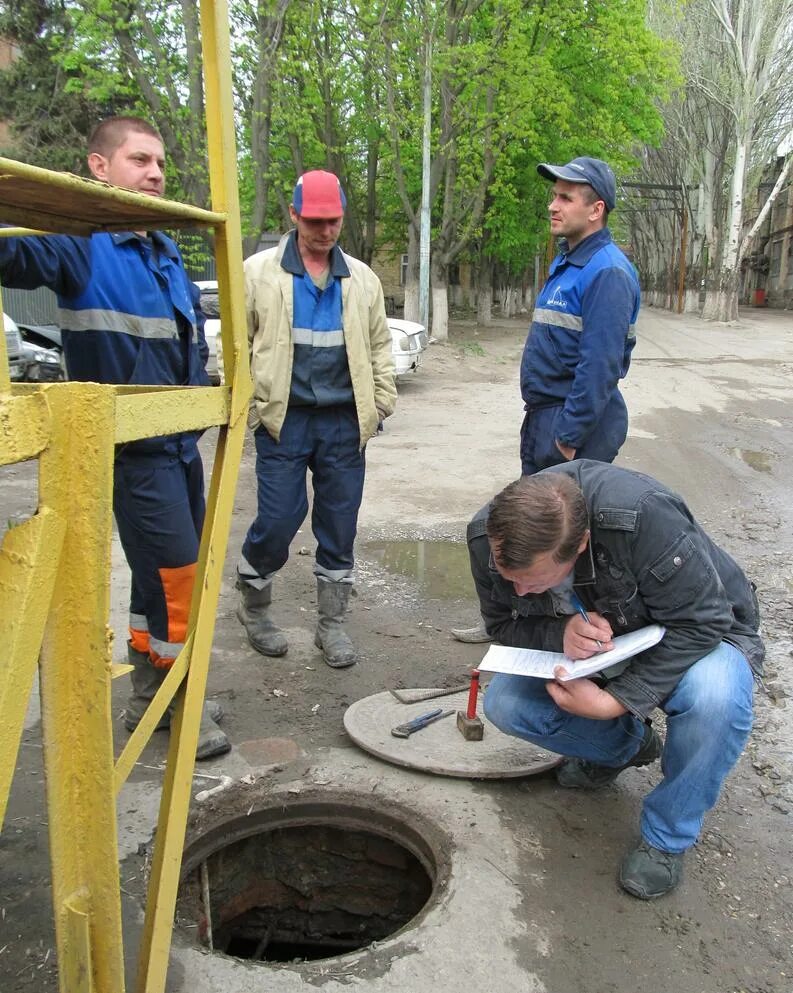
472, 348
339, 86
49, 120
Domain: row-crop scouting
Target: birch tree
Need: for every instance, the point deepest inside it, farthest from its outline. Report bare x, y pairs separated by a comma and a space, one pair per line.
754, 86
724, 125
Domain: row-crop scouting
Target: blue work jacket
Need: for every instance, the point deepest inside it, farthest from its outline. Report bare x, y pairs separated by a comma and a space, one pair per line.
128, 312
582, 335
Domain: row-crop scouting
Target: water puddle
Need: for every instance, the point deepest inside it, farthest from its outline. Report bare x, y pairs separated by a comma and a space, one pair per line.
759, 461
440, 568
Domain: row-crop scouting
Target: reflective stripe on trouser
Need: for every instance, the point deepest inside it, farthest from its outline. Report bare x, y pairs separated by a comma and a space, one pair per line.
326, 441
708, 720
159, 508
538, 436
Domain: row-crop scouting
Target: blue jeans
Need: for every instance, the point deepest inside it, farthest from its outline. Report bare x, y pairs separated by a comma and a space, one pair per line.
708, 720
326, 441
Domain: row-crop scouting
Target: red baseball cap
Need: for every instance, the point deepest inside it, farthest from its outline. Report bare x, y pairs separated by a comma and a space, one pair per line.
318, 194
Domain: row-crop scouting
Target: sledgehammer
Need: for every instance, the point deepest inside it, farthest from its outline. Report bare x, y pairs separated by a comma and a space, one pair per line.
468, 724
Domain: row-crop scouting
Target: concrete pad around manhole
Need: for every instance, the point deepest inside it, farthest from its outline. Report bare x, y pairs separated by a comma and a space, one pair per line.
440, 748
270, 751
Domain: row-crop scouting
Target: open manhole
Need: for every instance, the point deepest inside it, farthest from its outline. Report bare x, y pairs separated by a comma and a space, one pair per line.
307, 880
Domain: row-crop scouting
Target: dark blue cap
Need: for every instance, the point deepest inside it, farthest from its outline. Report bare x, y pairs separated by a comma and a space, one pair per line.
595, 172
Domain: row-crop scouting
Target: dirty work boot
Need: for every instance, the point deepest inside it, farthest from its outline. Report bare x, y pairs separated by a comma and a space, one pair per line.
648, 873
584, 775
254, 615
146, 680
472, 636
332, 600
212, 741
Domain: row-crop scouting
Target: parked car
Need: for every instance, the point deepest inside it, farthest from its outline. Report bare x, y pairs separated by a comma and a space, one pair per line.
16, 363
210, 304
29, 361
408, 341
408, 338
42, 352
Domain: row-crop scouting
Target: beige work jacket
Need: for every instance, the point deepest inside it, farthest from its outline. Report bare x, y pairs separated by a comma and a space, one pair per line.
367, 338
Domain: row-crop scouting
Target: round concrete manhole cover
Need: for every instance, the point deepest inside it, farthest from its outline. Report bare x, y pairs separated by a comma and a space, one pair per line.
440, 748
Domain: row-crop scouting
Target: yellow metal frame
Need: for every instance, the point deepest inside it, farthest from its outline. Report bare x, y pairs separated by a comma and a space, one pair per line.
55, 567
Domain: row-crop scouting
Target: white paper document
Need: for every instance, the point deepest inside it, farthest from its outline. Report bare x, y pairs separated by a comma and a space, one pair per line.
532, 662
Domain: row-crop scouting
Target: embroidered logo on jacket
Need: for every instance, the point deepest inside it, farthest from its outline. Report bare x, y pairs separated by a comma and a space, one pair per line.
556, 299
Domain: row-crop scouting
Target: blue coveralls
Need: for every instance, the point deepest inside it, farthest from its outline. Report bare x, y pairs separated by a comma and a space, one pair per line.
579, 347
129, 315
320, 433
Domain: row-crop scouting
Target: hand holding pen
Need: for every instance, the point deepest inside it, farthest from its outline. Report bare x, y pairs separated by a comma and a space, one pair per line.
577, 643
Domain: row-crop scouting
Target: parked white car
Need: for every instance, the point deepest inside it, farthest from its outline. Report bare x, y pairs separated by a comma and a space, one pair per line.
408, 338
29, 358
16, 363
408, 341
210, 304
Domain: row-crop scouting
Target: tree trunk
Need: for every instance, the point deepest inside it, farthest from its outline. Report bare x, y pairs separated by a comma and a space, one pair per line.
440, 304
411, 309
484, 292
721, 301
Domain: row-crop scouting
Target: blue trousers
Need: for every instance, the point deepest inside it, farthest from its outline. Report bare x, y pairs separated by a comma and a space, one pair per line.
538, 436
708, 720
158, 502
326, 441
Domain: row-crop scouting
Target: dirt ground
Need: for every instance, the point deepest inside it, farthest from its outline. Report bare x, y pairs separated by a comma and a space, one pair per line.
710, 416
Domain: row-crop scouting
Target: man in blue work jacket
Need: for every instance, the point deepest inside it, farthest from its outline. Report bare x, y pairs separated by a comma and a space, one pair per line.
130, 315
582, 333
582, 330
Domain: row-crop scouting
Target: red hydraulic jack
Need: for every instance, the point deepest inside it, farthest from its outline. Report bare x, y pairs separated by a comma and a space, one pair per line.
468, 724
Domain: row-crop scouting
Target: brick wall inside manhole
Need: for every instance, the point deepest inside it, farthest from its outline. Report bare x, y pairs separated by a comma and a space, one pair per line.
305, 880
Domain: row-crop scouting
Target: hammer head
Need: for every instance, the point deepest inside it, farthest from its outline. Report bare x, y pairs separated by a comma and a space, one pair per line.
471, 728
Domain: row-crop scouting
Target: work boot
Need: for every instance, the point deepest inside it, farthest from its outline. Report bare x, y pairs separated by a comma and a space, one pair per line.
472, 636
254, 615
212, 740
584, 775
648, 873
332, 601
146, 680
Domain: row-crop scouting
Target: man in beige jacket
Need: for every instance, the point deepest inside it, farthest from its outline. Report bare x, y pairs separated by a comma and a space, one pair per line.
323, 379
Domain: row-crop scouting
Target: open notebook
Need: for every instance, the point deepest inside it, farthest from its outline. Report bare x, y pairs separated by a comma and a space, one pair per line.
532, 662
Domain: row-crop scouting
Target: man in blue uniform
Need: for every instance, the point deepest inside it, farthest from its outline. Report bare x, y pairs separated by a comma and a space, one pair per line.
582, 333
583, 328
129, 315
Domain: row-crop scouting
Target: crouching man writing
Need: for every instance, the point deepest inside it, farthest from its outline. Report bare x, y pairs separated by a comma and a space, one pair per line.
629, 551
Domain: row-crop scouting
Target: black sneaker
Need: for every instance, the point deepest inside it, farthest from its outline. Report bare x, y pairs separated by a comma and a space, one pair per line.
648, 873
580, 774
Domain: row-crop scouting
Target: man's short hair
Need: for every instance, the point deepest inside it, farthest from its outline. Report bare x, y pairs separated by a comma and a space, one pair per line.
535, 515
591, 195
110, 133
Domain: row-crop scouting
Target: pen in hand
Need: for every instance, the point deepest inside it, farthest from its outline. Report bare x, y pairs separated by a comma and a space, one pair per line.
579, 608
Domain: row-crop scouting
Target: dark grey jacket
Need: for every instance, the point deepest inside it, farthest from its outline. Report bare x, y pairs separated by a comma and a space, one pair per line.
647, 562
